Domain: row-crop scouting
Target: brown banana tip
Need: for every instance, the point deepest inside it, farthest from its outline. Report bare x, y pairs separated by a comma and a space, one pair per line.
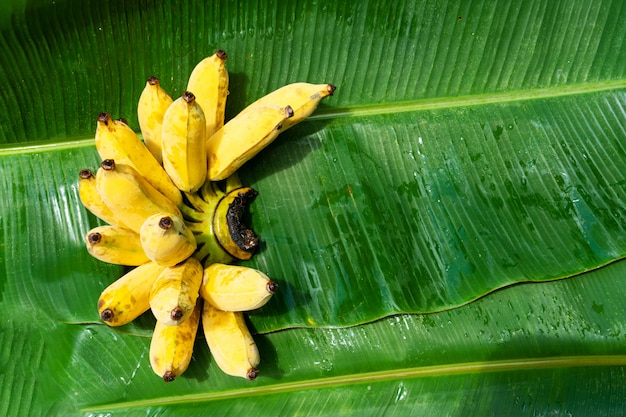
221, 54
252, 374
169, 376
104, 118
331, 89
189, 97
121, 119
94, 238
177, 314
272, 286
288, 111
152, 80
106, 315
108, 164
85, 173
166, 223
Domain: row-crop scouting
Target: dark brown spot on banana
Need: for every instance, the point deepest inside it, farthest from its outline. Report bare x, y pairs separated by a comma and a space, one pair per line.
288, 112
121, 119
108, 164
189, 97
94, 238
271, 286
166, 223
221, 54
177, 314
252, 374
107, 314
169, 376
153, 80
85, 174
104, 118
243, 236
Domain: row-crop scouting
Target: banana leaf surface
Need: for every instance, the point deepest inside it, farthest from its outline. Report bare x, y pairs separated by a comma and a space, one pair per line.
447, 229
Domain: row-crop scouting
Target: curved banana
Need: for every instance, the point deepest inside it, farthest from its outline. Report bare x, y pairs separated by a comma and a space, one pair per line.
230, 342
302, 97
171, 347
243, 137
228, 227
93, 201
184, 143
209, 82
115, 140
166, 239
128, 297
115, 245
175, 292
236, 288
152, 105
129, 196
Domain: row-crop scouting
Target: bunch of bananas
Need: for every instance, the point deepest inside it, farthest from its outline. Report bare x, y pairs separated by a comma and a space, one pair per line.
174, 205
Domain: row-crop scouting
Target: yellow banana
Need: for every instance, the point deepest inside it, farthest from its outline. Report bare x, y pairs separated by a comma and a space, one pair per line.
209, 83
92, 200
243, 137
128, 297
228, 227
171, 347
153, 103
302, 97
175, 292
129, 195
230, 342
166, 239
184, 143
115, 245
236, 288
115, 140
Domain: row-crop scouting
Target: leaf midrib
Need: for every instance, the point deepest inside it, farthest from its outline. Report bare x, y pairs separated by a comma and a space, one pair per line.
524, 364
375, 109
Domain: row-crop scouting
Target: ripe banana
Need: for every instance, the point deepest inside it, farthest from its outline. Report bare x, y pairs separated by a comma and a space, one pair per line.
302, 97
92, 200
174, 293
129, 196
228, 227
236, 288
128, 297
209, 83
115, 245
153, 103
243, 137
115, 140
166, 239
184, 143
171, 347
230, 342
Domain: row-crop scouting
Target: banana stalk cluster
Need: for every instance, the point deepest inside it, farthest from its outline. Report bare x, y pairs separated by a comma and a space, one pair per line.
174, 208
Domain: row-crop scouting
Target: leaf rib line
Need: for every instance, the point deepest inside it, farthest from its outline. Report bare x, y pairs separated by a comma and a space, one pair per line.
378, 376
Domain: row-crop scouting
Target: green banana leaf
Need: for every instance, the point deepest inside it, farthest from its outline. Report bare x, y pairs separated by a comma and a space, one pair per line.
469, 148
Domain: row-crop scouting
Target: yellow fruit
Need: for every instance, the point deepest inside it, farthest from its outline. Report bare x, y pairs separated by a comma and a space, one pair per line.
228, 227
115, 140
129, 296
166, 239
236, 288
92, 200
209, 83
115, 245
129, 196
302, 97
175, 292
153, 103
184, 143
230, 342
171, 347
243, 137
